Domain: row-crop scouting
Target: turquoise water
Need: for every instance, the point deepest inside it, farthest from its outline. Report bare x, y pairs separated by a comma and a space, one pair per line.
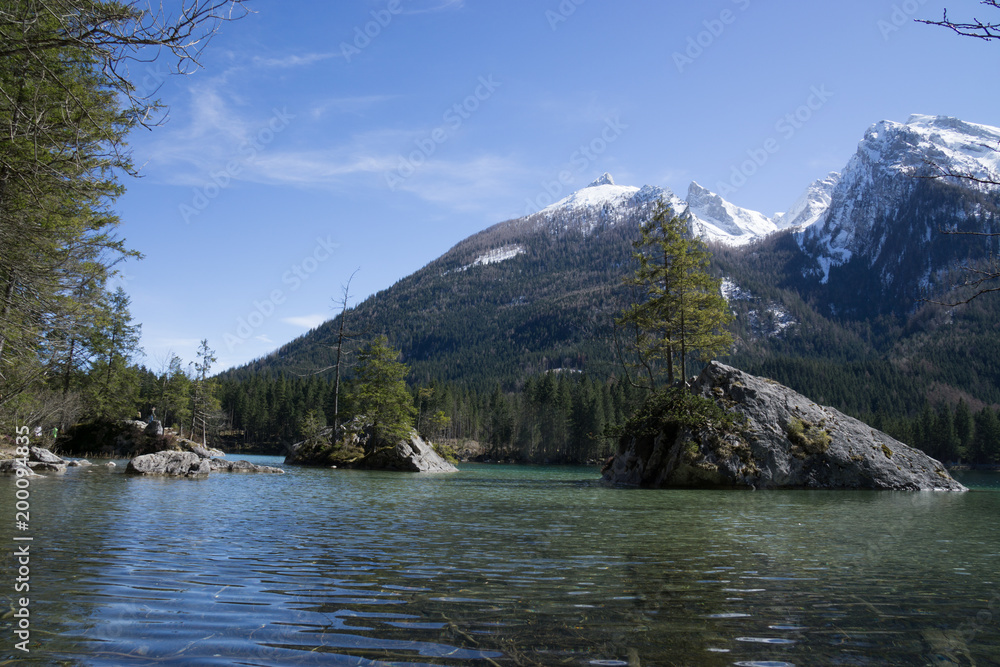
498, 565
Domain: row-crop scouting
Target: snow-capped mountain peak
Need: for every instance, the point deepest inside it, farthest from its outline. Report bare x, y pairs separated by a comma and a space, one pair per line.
881, 175
958, 146
711, 217
715, 219
836, 214
812, 206
605, 179
600, 192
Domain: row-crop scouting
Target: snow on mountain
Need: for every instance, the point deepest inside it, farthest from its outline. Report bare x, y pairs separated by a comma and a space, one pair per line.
766, 320
881, 175
715, 219
834, 216
603, 202
812, 206
712, 217
493, 256
600, 192
960, 147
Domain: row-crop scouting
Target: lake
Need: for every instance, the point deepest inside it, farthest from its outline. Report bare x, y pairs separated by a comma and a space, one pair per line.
497, 565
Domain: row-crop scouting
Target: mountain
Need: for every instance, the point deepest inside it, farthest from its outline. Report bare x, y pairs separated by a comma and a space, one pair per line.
811, 206
827, 295
516, 299
714, 219
889, 229
606, 202
710, 216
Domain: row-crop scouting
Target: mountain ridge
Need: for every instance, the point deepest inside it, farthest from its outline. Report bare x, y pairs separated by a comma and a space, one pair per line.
539, 293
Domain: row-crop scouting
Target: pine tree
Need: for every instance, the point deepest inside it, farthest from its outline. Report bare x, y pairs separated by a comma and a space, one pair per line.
385, 403
944, 439
680, 309
66, 107
114, 382
501, 423
985, 447
963, 426
204, 405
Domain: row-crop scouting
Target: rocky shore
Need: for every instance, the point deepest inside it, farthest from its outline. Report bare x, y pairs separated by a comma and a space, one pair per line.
185, 459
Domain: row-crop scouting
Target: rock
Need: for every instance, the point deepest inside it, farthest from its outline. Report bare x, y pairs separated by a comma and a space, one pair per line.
154, 428
206, 453
787, 442
222, 465
110, 464
170, 464
200, 450
189, 464
48, 467
44, 456
12, 466
202, 468
79, 463
411, 455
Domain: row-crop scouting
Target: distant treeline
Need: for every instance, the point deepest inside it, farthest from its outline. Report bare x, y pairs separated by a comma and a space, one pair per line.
556, 417
561, 417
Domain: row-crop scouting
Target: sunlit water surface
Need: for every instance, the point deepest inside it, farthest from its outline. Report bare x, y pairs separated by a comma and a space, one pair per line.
498, 565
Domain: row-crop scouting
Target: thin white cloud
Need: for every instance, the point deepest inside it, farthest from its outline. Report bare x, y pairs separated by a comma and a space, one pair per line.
307, 322
439, 5
293, 60
220, 135
351, 105
221, 144
465, 185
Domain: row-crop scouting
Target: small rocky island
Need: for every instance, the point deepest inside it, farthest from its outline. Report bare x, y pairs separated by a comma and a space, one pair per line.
413, 454
785, 441
196, 463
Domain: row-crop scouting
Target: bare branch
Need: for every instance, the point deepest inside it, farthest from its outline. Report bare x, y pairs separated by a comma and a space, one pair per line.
978, 29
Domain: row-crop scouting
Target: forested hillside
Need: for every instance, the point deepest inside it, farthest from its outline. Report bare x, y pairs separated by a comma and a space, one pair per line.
536, 298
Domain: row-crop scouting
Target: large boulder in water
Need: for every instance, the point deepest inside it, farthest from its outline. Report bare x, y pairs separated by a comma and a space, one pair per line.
413, 454
786, 442
169, 464
189, 464
42, 455
16, 467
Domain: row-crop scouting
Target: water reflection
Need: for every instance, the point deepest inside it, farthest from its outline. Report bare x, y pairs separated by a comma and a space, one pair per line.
501, 565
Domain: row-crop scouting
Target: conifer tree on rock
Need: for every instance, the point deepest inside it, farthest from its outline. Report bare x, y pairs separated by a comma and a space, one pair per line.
680, 309
382, 397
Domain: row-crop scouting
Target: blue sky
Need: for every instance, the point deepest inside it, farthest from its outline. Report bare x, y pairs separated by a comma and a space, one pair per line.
324, 137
